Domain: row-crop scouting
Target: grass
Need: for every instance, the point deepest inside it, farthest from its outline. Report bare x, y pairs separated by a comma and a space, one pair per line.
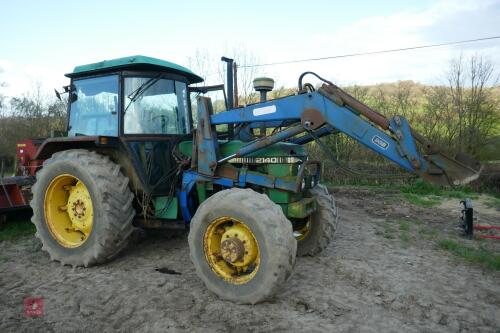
405, 229
428, 232
388, 231
406, 237
424, 194
422, 188
422, 200
405, 226
411, 231
15, 229
479, 256
428, 195
493, 202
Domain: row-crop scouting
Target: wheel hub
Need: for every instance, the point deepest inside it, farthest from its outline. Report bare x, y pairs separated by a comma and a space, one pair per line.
78, 209
232, 250
81, 208
241, 242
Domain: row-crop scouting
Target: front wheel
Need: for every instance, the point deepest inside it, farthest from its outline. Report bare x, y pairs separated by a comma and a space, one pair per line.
316, 233
242, 245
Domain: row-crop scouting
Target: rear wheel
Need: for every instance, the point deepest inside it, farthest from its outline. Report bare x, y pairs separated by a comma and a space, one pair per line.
82, 208
316, 233
242, 245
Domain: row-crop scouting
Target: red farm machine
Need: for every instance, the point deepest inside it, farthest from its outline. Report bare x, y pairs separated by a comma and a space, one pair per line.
15, 191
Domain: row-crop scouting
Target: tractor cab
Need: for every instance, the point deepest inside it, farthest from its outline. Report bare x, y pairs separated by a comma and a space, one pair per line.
135, 110
131, 96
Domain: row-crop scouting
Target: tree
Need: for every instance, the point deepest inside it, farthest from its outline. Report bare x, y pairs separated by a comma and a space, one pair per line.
201, 63
244, 57
464, 112
213, 71
2, 96
31, 115
481, 111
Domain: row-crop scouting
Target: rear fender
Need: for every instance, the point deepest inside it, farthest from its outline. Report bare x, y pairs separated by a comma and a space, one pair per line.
105, 145
54, 145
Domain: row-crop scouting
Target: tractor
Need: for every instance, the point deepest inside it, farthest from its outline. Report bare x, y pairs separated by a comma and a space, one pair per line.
139, 154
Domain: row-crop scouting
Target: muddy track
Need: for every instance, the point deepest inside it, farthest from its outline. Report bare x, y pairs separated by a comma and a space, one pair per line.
365, 281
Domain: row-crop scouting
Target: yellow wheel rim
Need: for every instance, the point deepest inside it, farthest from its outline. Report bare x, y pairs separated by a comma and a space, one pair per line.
231, 250
69, 212
302, 232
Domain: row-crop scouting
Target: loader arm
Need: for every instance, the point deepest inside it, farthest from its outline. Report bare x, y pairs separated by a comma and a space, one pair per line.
330, 110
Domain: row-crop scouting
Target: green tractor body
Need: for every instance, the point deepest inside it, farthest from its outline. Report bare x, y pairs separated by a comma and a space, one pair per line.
239, 179
130, 139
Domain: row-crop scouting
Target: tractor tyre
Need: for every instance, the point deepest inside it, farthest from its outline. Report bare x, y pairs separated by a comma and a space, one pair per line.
242, 245
82, 208
320, 229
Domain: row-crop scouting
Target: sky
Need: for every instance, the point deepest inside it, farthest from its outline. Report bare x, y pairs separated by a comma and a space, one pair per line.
40, 41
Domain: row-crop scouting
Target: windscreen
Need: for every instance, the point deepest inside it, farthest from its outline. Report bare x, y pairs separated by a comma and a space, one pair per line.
154, 105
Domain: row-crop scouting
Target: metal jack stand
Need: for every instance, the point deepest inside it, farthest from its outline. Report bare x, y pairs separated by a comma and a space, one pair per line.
467, 222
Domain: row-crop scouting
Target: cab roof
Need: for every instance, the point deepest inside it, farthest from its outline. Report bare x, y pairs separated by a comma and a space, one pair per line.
137, 62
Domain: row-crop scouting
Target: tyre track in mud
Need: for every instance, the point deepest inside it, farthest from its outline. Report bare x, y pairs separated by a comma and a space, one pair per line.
361, 282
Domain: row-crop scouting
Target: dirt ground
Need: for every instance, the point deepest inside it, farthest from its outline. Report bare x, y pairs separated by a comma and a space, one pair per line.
383, 273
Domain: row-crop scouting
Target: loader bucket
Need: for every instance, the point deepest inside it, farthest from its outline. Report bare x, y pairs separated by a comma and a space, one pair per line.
447, 171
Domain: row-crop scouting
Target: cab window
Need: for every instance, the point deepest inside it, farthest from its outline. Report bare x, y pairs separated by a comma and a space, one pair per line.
94, 107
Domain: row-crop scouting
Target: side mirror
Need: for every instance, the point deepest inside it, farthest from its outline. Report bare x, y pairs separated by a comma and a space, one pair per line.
67, 89
58, 94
